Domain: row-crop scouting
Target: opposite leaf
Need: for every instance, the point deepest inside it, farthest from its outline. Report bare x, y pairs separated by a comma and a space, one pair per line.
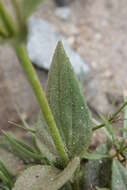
119, 176
45, 177
67, 104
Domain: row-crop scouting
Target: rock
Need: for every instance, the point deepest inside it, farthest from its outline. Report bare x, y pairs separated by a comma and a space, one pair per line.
63, 13
42, 40
95, 96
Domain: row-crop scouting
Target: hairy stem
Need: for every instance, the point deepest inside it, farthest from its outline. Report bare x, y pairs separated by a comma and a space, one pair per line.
33, 79
112, 118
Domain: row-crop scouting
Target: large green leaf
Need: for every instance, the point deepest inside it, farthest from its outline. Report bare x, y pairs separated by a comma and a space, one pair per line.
119, 176
67, 104
46, 177
29, 6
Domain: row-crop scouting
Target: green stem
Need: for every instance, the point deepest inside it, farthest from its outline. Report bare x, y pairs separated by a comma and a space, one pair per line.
111, 119
75, 185
33, 79
3, 33
18, 13
7, 20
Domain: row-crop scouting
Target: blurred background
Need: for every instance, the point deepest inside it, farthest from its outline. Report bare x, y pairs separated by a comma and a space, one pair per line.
94, 34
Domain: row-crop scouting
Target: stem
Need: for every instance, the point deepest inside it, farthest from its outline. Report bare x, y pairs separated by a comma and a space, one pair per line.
3, 33
17, 12
112, 117
33, 79
75, 185
7, 19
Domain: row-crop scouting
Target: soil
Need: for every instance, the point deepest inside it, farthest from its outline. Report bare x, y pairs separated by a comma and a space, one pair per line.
97, 30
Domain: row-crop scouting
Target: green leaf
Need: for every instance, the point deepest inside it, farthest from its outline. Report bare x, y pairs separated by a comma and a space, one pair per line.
109, 128
5, 171
109, 131
119, 176
95, 156
11, 162
44, 140
67, 104
98, 188
46, 177
29, 6
125, 121
23, 150
4, 179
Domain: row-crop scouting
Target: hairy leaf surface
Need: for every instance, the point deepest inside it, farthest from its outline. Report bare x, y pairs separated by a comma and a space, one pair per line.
45, 177
67, 103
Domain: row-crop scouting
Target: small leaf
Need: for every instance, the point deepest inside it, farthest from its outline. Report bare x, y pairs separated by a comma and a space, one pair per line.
108, 129
44, 140
95, 156
98, 188
119, 176
11, 162
125, 121
5, 171
23, 150
46, 177
29, 6
67, 104
4, 179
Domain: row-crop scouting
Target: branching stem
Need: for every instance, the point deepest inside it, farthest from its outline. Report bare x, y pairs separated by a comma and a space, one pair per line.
112, 118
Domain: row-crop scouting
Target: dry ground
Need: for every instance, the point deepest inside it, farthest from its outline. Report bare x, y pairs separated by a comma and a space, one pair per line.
98, 31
